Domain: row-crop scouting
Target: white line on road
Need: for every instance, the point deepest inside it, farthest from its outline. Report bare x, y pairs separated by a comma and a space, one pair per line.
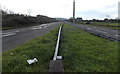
8, 34
104, 32
34, 28
17, 31
44, 26
37, 28
89, 28
116, 35
101, 31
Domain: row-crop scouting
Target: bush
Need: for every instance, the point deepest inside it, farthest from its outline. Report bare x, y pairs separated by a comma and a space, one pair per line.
88, 22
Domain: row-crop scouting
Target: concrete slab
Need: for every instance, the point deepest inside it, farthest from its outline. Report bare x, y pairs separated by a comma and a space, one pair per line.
56, 66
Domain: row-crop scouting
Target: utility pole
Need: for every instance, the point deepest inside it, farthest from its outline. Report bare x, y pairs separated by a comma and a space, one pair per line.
73, 11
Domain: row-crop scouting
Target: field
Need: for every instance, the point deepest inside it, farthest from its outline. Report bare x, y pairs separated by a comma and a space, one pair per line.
81, 51
103, 24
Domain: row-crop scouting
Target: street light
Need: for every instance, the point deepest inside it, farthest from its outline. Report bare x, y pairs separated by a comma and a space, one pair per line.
73, 11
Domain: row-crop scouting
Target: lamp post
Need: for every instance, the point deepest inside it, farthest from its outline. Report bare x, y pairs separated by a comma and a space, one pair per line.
73, 11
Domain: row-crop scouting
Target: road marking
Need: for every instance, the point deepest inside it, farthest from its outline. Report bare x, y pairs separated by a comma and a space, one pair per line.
37, 28
116, 35
8, 34
44, 26
101, 31
34, 28
17, 31
39, 25
89, 28
104, 32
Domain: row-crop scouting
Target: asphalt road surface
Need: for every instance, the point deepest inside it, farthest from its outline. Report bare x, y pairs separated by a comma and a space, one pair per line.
109, 34
16, 37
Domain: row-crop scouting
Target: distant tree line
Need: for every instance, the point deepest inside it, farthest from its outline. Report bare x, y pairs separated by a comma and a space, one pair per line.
105, 20
15, 20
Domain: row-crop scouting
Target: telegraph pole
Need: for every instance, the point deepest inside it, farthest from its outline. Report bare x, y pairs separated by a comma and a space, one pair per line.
73, 11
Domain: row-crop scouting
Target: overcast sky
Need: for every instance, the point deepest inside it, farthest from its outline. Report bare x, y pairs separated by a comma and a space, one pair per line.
87, 9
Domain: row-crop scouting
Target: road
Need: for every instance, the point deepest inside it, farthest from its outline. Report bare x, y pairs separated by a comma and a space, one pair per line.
16, 37
110, 34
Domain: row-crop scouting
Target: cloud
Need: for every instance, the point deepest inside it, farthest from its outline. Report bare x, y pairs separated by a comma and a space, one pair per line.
100, 13
63, 8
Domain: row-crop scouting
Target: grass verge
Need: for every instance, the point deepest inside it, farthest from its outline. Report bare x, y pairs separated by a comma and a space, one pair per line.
7, 28
103, 24
84, 52
42, 48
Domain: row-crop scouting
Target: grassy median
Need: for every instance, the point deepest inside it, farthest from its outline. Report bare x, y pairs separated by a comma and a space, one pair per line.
84, 52
41, 48
103, 25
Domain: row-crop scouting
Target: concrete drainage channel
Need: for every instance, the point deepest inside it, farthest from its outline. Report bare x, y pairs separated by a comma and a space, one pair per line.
56, 64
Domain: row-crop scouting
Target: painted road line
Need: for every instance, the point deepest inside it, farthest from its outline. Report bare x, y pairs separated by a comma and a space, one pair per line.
43, 24
8, 34
45, 27
116, 35
89, 28
17, 31
104, 32
34, 28
101, 31
37, 28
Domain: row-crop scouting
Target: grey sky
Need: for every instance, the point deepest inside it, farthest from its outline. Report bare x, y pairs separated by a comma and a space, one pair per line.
87, 9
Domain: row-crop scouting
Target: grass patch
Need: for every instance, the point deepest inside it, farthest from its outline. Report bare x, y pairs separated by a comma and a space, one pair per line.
7, 28
106, 23
103, 24
41, 48
84, 52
